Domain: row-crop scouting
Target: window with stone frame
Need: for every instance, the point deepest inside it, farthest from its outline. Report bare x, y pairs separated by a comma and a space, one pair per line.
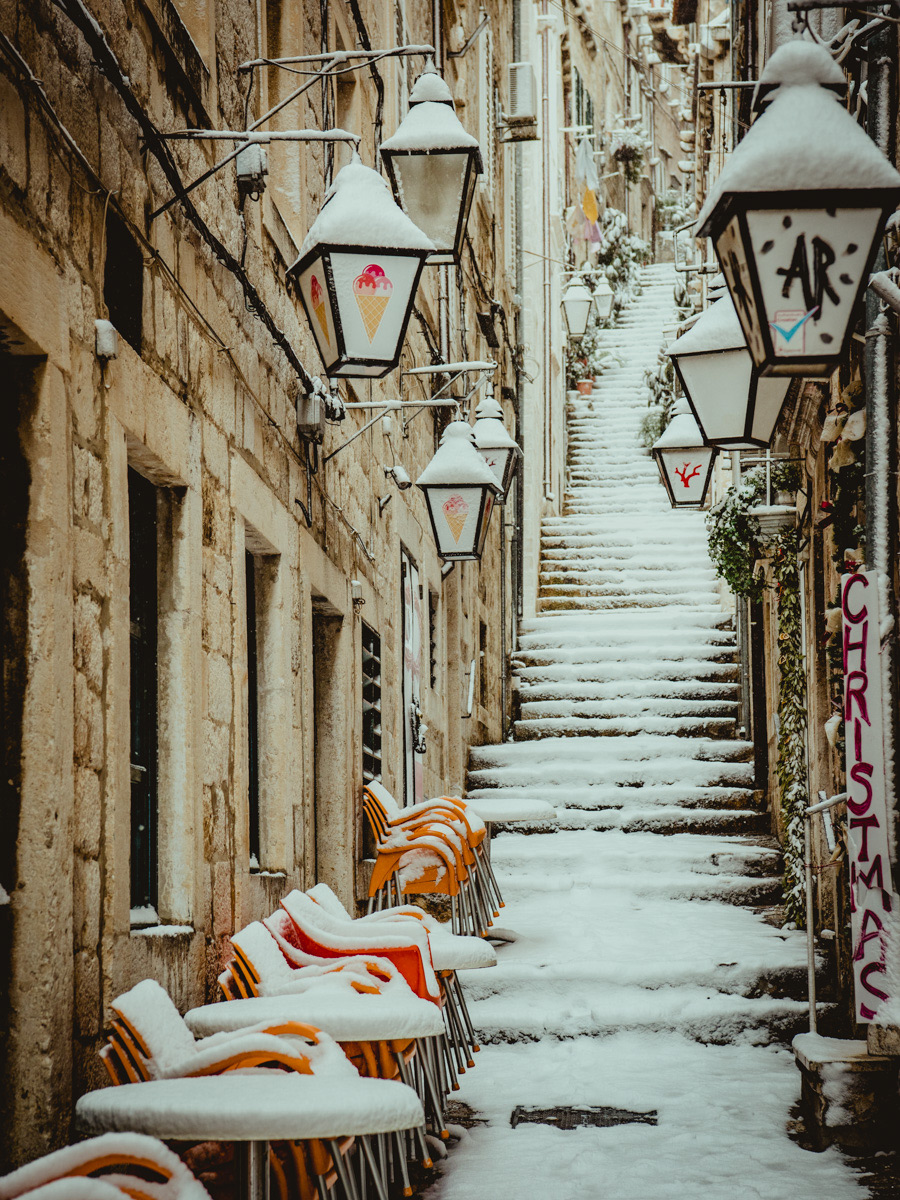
143, 624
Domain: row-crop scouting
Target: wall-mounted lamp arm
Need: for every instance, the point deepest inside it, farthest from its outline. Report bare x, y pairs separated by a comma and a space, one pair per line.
243, 139
479, 28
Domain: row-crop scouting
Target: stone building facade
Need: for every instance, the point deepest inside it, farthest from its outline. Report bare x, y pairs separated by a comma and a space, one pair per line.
203, 630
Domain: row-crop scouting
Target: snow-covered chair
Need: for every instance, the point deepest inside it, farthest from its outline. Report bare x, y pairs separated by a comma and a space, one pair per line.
433, 847
111, 1167
450, 953
149, 1040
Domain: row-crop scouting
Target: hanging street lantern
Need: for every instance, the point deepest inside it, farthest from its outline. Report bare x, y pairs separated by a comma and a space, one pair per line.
576, 305
796, 215
460, 490
357, 272
735, 407
603, 299
433, 165
685, 462
498, 449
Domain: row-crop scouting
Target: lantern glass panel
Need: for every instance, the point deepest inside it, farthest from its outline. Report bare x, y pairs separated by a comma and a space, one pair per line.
372, 291
432, 189
501, 460
576, 306
686, 474
795, 275
456, 513
314, 292
718, 388
770, 396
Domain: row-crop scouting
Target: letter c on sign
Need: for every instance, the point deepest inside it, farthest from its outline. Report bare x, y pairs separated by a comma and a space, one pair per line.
853, 617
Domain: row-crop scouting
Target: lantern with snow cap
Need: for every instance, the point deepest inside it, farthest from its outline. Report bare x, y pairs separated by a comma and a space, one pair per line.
796, 215
460, 490
498, 449
685, 462
433, 165
357, 272
577, 301
603, 299
735, 407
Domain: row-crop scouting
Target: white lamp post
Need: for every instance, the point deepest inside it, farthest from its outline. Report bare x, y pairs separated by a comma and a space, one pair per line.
433, 165
498, 449
358, 271
576, 305
685, 461
460, 490
735, 407
796, 215
603, 299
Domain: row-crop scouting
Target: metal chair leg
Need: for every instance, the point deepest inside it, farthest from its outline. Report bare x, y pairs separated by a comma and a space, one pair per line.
464, 1010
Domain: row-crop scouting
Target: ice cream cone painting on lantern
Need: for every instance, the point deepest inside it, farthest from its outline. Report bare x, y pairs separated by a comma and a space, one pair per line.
318, 303
456, 510
372, 290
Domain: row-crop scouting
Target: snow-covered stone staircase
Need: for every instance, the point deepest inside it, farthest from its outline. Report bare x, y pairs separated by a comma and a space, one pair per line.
647, 971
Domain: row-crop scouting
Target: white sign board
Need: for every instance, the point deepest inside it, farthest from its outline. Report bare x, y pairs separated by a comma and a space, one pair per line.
871, 892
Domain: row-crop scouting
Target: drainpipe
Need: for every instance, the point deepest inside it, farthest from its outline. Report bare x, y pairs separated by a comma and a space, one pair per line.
881, 433
546, 242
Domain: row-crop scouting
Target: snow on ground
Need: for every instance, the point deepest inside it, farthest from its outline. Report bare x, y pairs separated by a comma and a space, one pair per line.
644, 976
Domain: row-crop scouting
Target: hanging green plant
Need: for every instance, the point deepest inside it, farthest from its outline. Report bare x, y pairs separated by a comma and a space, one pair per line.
791, 768
734, 533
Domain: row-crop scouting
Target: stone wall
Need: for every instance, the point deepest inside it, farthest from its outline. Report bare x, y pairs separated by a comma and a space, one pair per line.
204, 409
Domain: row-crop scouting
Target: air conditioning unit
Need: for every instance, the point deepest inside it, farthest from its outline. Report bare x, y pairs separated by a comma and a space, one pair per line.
520, 118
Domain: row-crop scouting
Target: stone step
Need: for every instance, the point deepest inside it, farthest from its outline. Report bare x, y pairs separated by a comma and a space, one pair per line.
541, 688
593, 603
537, 709
574, 726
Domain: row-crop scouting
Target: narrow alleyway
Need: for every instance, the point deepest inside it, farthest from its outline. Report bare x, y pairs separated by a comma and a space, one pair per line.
646, 987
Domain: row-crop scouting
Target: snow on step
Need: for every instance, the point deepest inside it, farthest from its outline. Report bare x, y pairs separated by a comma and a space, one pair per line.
644, 977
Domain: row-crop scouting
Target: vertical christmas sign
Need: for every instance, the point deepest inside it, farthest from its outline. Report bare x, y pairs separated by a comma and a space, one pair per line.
871, 893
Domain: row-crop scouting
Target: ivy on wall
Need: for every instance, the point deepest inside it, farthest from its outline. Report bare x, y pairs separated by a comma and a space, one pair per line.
791, 768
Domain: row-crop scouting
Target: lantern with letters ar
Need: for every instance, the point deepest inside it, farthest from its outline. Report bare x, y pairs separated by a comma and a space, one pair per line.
498, 449
357, 272
736, 408
460, 491
685, 461
796, 215
433, 165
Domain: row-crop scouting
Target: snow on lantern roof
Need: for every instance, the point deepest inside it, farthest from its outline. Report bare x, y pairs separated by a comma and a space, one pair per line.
489, 430
716, 329
430, 126
682, 433
457, 462
804, 141
680, 406
430, 86
802, 62
360, 210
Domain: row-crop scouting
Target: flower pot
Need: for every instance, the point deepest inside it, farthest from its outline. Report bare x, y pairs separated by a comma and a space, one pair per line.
585, 386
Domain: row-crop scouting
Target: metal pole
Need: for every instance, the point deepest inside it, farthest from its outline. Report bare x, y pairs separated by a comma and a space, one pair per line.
810, 941
881, 450
546, 244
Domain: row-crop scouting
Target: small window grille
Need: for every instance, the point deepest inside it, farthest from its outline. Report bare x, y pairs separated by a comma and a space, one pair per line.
433, 640
252, 710
371, 704
123, 281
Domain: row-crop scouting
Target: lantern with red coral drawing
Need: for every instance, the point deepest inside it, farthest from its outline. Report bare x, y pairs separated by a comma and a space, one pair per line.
357, 273
460, 491
684, 460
